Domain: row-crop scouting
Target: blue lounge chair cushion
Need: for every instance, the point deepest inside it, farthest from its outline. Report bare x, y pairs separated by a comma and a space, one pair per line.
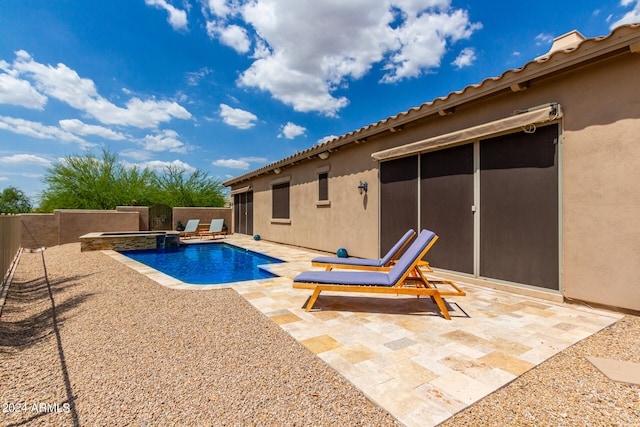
371, 278
366, 261
411, 255
375, 278
397, 247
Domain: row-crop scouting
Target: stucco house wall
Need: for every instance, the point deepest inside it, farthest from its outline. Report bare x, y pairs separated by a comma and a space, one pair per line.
601, 184
599, 169
349, 221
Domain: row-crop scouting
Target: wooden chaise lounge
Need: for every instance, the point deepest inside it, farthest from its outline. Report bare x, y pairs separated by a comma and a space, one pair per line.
405, 277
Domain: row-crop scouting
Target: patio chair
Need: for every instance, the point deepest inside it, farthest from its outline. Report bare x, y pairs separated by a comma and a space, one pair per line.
215, 229
191, 229
403, 278
383, 263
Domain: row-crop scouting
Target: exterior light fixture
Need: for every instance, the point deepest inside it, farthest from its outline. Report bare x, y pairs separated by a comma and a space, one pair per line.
363, 187
324, 155
277, 171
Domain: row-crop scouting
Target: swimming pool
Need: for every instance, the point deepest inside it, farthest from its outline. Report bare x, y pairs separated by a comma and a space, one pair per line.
201, 264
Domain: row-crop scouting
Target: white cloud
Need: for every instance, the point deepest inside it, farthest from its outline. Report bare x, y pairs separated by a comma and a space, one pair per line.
305, 92
233, 36
220, 8
255, 159
466, 58
161, 166
305, 51
241, 163
138, 155
177, 18
194, 77
80, 128
15, 91
236, 117
544, 39
38, 130
631, 17
291, 130
423, 42
24, 159
231, 163
66, 85
165, 140
326, 139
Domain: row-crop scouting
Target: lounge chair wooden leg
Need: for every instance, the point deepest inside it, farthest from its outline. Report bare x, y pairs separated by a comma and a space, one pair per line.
313, 299
443, 308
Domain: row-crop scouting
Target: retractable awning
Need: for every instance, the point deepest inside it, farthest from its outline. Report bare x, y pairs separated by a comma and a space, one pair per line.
532, 117
242, 190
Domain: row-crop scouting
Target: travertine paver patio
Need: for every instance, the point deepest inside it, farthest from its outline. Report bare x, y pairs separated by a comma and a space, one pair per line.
398, 350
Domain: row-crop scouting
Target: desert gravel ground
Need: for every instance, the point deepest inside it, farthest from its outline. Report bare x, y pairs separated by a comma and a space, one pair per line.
119, 349
86, 341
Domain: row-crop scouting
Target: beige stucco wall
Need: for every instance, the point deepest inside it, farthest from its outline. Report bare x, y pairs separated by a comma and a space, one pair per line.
599, 180
74, 223
66, 226
10, 243
143, 212
601, 187
351, 219
39, 230
205, 215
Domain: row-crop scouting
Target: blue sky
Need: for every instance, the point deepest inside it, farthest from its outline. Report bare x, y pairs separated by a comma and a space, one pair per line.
229, 86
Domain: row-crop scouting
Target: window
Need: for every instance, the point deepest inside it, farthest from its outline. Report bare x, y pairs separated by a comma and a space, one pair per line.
323, 186
280, 206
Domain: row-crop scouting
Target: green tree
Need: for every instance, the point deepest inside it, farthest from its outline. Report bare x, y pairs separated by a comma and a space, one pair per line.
176, 188
87, 182
14, 201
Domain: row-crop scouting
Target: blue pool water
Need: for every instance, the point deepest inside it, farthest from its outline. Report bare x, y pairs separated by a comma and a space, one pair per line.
206, 263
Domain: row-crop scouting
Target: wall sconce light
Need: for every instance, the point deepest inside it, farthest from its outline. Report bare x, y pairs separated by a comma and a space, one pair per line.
324, 155
277, 171
363, 187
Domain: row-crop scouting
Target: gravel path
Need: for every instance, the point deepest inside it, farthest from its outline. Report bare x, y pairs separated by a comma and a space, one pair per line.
118, 349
